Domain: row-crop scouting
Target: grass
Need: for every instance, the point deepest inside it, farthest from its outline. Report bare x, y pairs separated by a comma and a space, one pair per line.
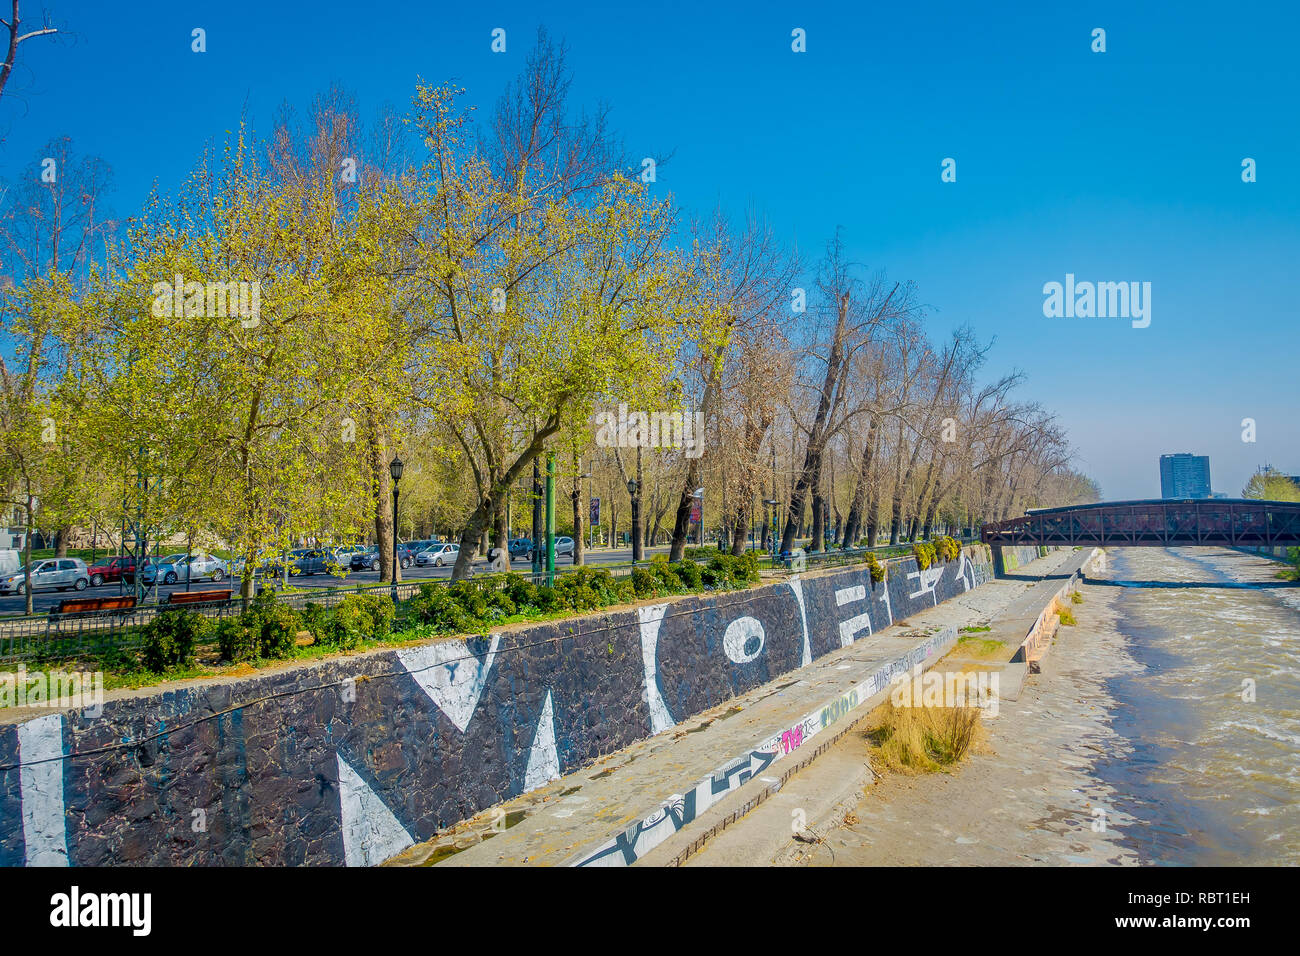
980, 646
1076, 597
916, 740
1067, 617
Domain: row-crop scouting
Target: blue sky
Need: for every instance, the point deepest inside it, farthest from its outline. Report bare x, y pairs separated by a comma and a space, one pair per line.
1115, 166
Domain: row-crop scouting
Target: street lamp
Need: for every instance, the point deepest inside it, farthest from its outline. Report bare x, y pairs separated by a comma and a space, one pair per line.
698, 493
771, 504
395, 469
591, 528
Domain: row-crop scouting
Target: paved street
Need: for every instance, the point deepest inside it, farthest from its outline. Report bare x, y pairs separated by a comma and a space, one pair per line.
47, 600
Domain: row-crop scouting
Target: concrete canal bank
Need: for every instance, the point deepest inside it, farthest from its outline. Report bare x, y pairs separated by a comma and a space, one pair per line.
354, 759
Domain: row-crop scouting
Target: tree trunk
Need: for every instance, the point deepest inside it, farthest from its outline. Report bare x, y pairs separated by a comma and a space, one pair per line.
579, 551
383, 499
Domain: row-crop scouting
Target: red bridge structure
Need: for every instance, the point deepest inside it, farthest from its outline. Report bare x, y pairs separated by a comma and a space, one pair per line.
1155, 523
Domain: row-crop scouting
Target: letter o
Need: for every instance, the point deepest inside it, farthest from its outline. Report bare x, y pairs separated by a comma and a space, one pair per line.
741, 633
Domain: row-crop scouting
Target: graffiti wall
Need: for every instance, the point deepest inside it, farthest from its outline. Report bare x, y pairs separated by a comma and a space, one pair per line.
350, 760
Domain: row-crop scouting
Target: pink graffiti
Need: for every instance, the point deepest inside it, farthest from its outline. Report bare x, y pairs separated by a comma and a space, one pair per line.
792, 739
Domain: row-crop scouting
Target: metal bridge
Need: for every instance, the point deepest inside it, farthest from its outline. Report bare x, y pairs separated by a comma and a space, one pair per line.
1155, 523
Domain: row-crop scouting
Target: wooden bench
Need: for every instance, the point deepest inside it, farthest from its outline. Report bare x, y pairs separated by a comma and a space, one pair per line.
76, 605
198, 597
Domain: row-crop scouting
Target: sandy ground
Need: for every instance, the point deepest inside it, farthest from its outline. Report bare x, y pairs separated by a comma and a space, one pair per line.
1031, 798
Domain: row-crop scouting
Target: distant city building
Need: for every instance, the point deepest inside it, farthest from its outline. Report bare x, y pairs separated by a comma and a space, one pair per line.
1184, 476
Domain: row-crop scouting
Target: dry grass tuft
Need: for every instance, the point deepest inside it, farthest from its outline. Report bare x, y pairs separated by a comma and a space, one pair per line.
916, 740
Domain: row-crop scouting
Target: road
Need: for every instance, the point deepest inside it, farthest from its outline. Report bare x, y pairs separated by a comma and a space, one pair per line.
43, 601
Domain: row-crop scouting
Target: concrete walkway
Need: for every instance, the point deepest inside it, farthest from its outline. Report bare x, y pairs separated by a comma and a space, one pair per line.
568, 820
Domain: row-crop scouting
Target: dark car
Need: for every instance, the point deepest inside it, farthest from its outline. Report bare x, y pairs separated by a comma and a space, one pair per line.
520, 548
310, 560
407, 551
367, 559
109, 570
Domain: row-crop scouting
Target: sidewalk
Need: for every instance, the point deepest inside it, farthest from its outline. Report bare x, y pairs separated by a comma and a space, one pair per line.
604, 813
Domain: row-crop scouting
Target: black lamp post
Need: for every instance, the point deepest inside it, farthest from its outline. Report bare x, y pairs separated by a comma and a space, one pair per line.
395, 469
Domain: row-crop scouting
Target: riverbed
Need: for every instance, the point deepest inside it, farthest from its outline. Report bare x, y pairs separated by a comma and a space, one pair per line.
1164, 729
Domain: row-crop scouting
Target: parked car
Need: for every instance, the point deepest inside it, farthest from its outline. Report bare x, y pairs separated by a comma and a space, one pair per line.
342, 555
129, 572
564, 545
367, 559
269, 567
309, 560
519, 547
194, 567
57, 574
153, 569
438, 555
407, 553
108, 570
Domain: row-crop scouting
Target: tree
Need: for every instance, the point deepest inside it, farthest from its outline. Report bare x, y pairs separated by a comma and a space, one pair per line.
13, 26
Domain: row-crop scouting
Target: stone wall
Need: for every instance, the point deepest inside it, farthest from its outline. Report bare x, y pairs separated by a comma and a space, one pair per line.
351, 759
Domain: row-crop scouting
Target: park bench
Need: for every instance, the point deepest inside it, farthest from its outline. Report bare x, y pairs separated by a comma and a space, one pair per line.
198, 597
78, 605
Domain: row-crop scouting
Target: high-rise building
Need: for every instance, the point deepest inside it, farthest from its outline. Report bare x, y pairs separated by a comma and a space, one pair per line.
1184, 475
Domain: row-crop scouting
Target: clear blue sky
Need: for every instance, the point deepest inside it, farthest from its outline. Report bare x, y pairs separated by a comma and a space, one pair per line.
1117, 166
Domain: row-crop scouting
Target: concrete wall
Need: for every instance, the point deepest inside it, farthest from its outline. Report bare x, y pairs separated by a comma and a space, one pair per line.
352, 759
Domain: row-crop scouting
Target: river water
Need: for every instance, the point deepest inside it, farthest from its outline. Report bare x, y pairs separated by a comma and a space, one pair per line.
1207, 774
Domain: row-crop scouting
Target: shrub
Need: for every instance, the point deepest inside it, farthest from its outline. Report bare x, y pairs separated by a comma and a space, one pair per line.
645, 583
667, 575
520, 590
948, 548
439, 606
170, 638
924, 552
267, 629
875, 567
548, 599
690, 573
279, 632
358, 618
237, 638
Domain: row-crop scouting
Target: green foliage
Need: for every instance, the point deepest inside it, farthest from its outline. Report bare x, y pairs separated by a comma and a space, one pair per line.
357, 618
925, 554
645, 582
948, 548
691, 574
170, 639
267, 630
875, 567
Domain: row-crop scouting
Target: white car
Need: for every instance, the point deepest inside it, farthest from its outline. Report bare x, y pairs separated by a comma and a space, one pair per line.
438, 555
57, 573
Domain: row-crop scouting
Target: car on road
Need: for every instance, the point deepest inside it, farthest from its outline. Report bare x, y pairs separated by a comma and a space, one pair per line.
408, 552
311, 560
564, 545
519, 547
269, 567
108, 570
193, 567
165, 570
438, 555
367, 559
59, 574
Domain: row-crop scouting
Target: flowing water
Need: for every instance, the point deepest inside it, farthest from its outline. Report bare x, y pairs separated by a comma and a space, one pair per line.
1211, 716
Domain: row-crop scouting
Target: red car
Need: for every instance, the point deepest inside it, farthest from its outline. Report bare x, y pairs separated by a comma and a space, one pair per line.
110, 569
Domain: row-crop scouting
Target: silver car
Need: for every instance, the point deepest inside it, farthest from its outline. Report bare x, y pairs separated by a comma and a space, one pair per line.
177, 568
58, 574
438, 555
